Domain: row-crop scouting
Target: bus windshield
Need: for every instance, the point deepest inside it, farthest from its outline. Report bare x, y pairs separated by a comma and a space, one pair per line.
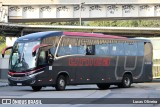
21, 58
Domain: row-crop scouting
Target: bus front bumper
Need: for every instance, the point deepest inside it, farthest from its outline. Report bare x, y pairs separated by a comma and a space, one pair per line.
21, 81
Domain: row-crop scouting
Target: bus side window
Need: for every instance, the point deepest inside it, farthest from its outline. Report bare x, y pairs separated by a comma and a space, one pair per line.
113, 49
52, 50
81, 50
130, 49
62, 50
140, 48
148, 51
102, 49
90, 50
67, 50
117, 49
42, 58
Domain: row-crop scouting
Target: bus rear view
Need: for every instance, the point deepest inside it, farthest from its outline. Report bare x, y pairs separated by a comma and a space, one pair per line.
57, 59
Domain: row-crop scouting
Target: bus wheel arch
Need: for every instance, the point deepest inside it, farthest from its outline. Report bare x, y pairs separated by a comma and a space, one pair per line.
61, 81
126, 80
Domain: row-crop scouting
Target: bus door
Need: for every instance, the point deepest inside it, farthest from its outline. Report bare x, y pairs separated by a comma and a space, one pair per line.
43, 62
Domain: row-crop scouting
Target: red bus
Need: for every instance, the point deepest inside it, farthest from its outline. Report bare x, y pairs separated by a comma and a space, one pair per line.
56, 58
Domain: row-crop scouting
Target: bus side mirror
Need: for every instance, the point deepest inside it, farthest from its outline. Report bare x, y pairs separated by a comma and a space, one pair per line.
5, 49
50, 59
37, 47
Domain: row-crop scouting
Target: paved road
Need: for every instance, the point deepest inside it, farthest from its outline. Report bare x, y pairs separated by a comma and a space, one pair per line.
142, 90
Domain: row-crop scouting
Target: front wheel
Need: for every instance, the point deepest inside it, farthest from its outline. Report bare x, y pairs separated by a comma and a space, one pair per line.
61, 83
126, 81
103, 86
36, 88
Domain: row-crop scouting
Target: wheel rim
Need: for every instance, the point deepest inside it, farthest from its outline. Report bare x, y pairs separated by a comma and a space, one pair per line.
127, 81
62, 83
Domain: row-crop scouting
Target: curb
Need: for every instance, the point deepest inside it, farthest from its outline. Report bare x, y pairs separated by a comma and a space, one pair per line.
3, 85
156, 80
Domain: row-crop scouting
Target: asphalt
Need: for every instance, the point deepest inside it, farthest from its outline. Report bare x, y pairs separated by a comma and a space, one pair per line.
4, 82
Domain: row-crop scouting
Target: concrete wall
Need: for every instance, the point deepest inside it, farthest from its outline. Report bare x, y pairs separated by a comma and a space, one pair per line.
87, 11
45, 9
3, 13
32, 2
10, 41
4, 62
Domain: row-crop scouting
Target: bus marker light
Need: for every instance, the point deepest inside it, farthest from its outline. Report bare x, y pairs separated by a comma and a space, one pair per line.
51, 79
71, 79
50, 67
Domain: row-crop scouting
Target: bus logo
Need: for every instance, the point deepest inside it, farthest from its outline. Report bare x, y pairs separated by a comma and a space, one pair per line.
89, 61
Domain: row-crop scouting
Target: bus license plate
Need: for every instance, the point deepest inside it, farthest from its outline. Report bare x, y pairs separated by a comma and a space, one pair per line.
19, 83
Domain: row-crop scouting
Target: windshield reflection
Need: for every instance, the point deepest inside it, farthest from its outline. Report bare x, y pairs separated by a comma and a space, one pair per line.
21, 58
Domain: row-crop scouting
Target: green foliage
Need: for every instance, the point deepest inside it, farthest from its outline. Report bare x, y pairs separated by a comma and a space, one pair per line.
109, 23
75, 23
3, 44
126, 23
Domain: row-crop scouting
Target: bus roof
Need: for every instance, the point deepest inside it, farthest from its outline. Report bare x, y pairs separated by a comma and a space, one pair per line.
41, 35
98, 35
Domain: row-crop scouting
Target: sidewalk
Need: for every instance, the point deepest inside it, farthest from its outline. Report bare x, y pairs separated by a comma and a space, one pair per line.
3, 82
156, 80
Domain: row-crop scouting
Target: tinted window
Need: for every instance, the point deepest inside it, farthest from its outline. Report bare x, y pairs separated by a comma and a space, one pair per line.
130, 49
68, 46
140, 49
42, 58
81, 50
117, 49
102, 49
67, 50
90, 50
52, 50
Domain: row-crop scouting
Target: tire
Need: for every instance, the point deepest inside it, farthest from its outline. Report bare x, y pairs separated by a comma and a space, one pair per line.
103, 86
36, 88
60, 83
126, 81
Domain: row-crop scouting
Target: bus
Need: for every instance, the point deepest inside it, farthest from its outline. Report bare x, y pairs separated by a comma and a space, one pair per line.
57, 58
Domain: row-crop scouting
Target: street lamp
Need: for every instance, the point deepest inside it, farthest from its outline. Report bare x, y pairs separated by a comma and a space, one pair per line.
80, 18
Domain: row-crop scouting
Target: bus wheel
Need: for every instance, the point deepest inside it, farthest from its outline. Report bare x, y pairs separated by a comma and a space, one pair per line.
126, 81
36, 88
60, 83
103, 86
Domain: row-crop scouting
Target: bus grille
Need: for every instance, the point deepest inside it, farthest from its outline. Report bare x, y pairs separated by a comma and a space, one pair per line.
19, 75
